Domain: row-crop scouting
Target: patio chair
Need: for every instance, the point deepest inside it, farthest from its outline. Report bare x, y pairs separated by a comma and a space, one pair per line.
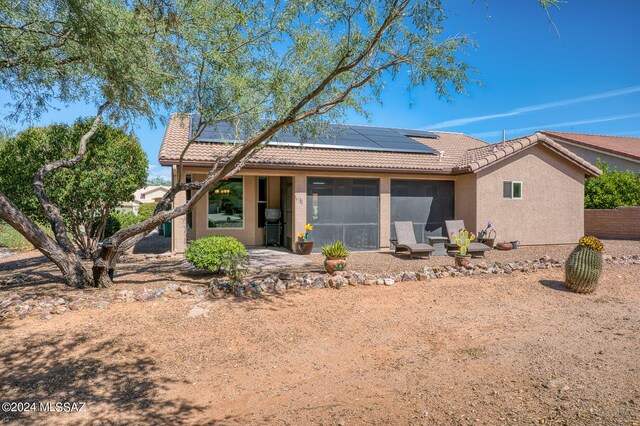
475, 249
406, 240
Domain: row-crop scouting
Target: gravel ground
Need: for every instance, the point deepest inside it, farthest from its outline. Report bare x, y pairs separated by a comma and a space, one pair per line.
514, 349
377, 262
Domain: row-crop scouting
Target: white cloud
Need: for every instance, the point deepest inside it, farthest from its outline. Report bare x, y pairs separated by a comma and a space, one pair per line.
558, 125
156, 170
533, 108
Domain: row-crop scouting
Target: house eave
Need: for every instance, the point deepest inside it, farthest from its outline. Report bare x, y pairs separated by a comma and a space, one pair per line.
276, 166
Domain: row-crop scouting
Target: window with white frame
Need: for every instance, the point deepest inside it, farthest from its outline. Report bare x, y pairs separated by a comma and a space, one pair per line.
512, 190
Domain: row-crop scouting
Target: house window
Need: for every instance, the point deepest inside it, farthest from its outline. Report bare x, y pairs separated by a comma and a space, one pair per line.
512, 190
189, 179
262, 200
226, 204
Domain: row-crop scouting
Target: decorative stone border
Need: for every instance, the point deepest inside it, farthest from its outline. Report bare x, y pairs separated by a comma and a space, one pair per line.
19, 306
14, 305
283, 281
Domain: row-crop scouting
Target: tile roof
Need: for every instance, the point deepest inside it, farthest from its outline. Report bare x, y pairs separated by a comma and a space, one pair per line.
460, 153
478, 158
624, 146
451, 145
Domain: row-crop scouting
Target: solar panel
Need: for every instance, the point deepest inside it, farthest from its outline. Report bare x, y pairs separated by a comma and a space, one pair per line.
338, 136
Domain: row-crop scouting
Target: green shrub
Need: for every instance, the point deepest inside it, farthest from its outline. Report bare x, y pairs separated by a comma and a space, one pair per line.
145, 211
336, 249
612, 189
217, 253
119, 220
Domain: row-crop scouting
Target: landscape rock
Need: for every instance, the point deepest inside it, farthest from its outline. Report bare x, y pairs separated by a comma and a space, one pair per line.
171, 287
198, 311
185, 289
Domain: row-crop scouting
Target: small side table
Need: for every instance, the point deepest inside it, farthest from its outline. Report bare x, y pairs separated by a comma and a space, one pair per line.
437, 243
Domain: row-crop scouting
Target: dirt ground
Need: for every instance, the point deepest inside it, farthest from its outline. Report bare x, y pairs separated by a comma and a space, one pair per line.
508, 349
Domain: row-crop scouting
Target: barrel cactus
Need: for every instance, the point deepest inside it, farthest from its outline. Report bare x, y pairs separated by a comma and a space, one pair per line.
584, 266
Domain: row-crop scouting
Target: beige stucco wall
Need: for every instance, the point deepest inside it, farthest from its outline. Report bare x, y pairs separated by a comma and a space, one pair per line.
251, 235
552, 204
551, 211
179, 224
465, 200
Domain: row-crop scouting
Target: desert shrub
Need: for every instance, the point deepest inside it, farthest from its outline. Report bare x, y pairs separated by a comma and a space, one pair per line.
119, 220
217, 253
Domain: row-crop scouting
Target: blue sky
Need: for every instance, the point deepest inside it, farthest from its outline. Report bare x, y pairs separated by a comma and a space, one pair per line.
583, 78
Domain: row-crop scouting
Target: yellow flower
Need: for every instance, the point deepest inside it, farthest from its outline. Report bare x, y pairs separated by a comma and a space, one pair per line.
591, 242
308, 227
300, 235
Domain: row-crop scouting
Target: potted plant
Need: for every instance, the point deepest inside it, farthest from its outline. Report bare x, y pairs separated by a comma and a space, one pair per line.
336, 257
487, 235
303, 245
462, 240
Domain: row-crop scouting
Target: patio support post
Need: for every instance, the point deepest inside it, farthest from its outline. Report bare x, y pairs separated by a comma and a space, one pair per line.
299, 203
179, 225
385, 212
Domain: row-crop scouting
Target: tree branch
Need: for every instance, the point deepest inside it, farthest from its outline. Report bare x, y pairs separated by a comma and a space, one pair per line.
51, 210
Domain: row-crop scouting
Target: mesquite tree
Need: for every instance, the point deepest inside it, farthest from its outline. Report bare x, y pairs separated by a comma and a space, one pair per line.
263, 66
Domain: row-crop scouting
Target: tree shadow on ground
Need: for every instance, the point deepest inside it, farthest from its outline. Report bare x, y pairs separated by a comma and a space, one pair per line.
555, 285
10, 265
154, 243
118, 383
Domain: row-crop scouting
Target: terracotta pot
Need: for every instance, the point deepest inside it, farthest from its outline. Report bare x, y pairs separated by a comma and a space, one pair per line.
334, 264
463, 260
304, 247
504, 246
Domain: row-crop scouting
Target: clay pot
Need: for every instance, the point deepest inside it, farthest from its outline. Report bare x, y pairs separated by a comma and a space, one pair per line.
504, 246
334, 264
304, 247
463, 260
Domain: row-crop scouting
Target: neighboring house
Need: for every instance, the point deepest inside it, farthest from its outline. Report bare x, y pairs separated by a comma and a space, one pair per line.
353, 184
147, 194
128, 206
620, 152
150, 194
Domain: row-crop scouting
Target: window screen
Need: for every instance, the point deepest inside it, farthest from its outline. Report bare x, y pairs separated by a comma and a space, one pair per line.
506, 189
343, 209
426, 203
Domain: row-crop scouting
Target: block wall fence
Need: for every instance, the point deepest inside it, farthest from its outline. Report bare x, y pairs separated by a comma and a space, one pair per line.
618, 223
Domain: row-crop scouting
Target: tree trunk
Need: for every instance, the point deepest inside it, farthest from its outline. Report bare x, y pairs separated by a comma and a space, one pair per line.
69, 263
102, 268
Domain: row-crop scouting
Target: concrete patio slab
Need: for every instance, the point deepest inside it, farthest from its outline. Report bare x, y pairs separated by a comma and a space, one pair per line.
273, 258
